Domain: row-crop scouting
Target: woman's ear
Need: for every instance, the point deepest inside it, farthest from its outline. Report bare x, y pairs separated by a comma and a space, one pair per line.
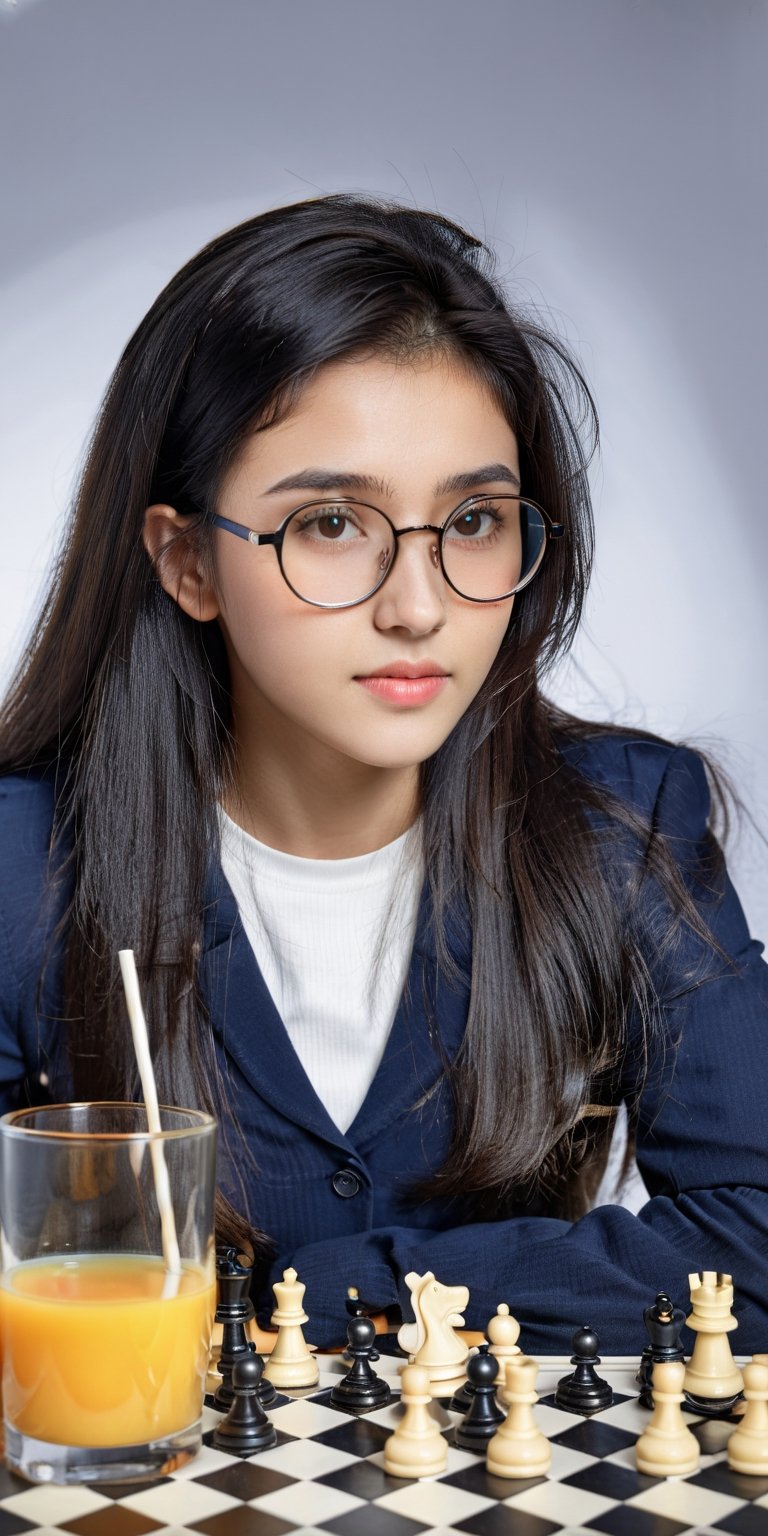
178, 563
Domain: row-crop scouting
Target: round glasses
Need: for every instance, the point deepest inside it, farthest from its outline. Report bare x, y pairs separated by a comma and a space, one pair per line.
334, 554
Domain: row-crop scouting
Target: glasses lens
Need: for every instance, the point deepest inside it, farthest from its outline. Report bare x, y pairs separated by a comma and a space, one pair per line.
493, 547
336, 552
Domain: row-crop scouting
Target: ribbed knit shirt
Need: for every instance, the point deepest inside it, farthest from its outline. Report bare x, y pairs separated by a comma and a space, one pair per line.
333, 940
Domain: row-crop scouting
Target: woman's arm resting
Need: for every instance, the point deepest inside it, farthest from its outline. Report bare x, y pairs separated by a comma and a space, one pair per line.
702, 1149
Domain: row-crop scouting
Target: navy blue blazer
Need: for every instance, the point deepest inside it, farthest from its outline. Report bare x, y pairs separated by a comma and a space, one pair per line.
337, 1204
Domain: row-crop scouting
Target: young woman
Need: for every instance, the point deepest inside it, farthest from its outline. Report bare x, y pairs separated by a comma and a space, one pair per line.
413, 933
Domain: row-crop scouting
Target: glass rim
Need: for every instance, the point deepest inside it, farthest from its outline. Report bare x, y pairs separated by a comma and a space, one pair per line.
469, 504
10, 1127
284, 558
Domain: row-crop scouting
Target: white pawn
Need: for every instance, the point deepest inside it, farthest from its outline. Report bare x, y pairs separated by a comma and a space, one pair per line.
740, 1407
519, 1449
417, 1448
666, 1447
748, 1445
290, 1363
502, 1333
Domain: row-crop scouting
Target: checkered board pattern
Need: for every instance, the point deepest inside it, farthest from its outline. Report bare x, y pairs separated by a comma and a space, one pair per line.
326, 1475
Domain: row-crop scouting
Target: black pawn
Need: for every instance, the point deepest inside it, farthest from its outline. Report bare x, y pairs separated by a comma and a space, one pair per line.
233, 1311
361, 1390
355, 1307
484, 1416
584, 1391
461, 1402
246, 1428
664, 1324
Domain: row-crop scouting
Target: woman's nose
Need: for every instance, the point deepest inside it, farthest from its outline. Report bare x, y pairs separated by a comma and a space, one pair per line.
413, 595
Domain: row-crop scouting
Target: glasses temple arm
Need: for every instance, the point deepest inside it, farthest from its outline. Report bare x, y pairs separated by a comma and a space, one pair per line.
242, 532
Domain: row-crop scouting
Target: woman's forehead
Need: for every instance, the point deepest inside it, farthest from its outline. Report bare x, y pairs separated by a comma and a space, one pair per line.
364, 425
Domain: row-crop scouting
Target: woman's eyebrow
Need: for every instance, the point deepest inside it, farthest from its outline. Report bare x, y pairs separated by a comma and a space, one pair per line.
341, 479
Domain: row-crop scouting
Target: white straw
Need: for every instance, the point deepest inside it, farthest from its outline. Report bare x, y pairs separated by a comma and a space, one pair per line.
171, 1253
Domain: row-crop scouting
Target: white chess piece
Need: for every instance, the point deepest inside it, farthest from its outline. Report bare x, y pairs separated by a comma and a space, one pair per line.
666, 1447
748, 1445
417, 1448
711, 1372
290, 1363
502, 1333
431, 1340
519, 1449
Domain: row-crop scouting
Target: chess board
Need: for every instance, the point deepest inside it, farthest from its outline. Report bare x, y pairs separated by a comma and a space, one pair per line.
326, 1475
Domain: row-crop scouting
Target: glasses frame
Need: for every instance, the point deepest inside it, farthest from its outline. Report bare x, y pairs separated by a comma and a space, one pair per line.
553, 530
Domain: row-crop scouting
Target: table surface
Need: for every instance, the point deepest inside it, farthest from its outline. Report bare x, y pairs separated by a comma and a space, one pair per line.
326, 1474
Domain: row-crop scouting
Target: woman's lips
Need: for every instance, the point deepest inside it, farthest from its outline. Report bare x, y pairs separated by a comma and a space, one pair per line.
404, 690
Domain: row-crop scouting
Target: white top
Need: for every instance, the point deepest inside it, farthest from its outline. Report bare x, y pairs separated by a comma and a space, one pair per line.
333, 939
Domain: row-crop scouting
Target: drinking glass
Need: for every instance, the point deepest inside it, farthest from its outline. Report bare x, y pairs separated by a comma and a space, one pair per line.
105, 1348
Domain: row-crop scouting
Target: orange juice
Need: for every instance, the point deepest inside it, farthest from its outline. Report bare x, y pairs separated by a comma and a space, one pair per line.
95, 1356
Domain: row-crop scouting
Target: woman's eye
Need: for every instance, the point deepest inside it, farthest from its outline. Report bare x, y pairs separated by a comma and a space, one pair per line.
331, 524
475, 523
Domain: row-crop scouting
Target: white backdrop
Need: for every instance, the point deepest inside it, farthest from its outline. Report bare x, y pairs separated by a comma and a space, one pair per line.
612, 153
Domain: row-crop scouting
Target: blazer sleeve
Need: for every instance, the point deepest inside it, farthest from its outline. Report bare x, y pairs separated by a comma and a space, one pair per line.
12, 1064
702, 1150
26, 923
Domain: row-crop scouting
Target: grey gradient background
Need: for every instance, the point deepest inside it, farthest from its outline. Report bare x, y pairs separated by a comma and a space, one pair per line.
612, 152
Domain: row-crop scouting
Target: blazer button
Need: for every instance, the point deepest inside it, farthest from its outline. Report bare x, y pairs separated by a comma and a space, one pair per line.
346, 1183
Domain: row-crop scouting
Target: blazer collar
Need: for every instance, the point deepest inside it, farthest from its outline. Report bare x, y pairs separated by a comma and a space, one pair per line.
427, 1029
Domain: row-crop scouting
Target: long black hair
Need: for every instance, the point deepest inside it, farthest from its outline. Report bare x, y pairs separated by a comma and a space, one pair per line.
125, 700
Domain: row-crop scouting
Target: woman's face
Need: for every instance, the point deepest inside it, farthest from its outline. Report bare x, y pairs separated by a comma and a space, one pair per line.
305, 678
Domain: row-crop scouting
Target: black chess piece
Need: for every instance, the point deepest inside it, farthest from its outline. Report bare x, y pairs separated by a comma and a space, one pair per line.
584, 1391
485, 1415
355, 1307
246, 1428
233, 1311
461, 1402
361, 1390
664, 1323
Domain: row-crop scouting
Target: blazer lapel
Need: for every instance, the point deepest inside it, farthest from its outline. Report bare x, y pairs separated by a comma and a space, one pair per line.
426, 1033
427, 1030
246, 1021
